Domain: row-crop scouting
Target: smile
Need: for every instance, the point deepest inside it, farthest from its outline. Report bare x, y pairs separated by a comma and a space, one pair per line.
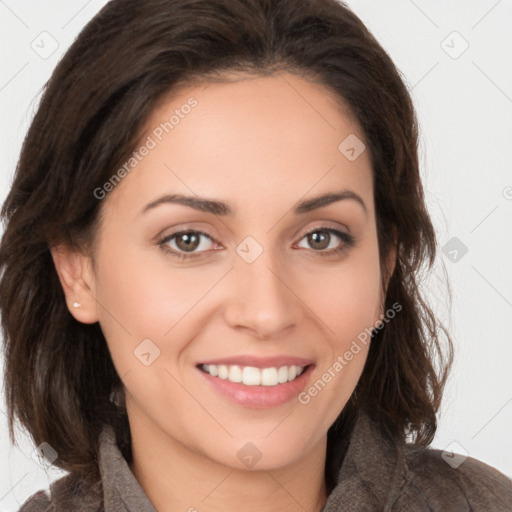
252, 376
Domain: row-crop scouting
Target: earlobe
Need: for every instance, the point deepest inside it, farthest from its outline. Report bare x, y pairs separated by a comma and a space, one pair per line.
77, 280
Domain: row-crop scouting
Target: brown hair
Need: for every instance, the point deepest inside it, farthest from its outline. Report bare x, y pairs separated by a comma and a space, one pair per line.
59, 375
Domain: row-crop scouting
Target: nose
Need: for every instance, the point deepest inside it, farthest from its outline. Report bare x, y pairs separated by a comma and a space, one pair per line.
262, 299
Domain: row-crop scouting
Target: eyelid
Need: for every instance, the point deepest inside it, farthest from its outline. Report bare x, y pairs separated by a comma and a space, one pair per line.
324, 225
347, 240
167, 238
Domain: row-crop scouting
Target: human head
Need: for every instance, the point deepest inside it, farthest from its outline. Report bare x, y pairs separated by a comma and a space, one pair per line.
90, 120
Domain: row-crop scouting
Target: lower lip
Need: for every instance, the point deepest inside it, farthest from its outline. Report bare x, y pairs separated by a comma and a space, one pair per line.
259, 397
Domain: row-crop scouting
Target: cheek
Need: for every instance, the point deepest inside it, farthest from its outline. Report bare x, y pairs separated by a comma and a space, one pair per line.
346, 302
141, 296
347, 297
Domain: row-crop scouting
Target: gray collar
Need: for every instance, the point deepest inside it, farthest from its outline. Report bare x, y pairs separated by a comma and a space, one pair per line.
372, 470
121, 490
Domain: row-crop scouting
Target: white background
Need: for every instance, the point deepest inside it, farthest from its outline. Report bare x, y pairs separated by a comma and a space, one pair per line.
464, 104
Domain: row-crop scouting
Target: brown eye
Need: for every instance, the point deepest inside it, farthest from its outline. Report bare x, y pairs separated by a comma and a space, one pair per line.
319, 239
324, 238
184, 244
187, 241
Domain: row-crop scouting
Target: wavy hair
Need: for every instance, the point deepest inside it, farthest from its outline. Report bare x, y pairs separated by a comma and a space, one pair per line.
59, 377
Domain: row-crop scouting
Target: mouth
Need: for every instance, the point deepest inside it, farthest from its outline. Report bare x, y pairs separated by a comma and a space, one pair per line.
253, 376
254, 387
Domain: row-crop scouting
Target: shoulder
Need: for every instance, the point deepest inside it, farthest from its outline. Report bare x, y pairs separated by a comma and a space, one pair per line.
67, 493
38, 502
379, 472
453, 482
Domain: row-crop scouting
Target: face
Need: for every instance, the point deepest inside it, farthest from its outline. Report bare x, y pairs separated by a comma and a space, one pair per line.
269, 279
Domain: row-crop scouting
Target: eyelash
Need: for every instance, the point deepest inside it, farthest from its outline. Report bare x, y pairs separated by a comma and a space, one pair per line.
348, 242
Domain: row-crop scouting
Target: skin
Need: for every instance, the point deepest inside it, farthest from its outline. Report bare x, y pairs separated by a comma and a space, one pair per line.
261, 144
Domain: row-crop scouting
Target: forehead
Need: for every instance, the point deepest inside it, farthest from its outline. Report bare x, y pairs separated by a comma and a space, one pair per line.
252, 141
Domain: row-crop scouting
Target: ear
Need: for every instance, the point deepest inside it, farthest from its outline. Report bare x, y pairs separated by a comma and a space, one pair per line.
390, 263
76, 276
387, 272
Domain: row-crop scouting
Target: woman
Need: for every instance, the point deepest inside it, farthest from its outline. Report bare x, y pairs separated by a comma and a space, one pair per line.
209, 270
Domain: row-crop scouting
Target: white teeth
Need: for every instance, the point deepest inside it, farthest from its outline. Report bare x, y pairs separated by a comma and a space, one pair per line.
223, 371
235, 374
282, 374
251, 376
269, 376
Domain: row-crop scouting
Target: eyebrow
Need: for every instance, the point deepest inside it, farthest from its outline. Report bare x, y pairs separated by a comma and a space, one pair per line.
220, 208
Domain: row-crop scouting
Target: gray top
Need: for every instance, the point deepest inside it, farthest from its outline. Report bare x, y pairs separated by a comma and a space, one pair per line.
374, 476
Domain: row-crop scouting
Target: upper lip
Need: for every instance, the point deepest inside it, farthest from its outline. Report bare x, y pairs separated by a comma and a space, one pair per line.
259, 362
